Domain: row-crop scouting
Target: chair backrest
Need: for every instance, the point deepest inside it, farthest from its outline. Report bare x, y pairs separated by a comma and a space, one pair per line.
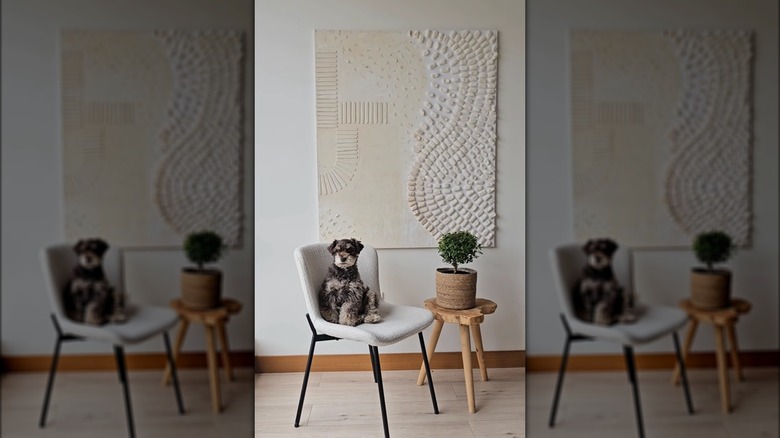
58, 262
313, 261
567, 264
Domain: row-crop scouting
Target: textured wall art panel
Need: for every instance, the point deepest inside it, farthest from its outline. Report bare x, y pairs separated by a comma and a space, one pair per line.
152, 135
661, 128
406, 135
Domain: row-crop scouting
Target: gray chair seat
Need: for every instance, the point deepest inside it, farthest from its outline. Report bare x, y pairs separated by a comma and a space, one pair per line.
143, 322
398, 323
652, 323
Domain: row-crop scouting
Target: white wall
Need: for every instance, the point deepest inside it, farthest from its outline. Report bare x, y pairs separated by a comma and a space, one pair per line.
285, 180
32, 168
662, 276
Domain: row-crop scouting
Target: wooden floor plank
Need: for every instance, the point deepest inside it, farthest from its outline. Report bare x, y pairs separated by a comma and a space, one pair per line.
346, 404
89, 404
599, 404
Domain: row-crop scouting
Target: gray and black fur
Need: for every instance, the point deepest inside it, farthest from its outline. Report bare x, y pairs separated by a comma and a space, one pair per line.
89, 297
343, 298
598, 297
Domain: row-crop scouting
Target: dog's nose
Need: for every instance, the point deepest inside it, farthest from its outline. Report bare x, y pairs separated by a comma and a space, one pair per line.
343, 259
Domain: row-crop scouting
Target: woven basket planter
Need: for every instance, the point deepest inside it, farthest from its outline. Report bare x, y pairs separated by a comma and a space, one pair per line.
201, 289
710, 289
456, 291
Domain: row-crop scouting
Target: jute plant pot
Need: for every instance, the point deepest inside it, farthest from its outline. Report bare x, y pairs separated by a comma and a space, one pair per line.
201, 289
710, 289
456, 291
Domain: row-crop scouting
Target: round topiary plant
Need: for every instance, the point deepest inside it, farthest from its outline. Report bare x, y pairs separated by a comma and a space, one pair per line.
202, 288
710, 287
457, 289
203, 247
713, 247
458, 248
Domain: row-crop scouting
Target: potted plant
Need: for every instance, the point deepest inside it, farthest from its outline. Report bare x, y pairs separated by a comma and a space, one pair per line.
456, 287
710, 287
201, 288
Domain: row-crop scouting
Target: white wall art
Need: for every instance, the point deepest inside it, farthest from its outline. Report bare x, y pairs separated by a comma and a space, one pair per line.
661, 128
406, 135
152, 135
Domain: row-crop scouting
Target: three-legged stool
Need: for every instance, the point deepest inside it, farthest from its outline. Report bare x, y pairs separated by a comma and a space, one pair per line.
468, 320
723, 321
214, 321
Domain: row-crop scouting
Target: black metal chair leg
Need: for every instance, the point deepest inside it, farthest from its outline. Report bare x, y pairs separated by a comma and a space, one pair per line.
305, 379
175, 378
373, 362
683, 375
54, 361
119, 352
381, 390
559, 384
628, 352
428, 372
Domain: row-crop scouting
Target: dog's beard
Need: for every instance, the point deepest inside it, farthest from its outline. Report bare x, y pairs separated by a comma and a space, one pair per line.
343, 264
89, 261
598, 261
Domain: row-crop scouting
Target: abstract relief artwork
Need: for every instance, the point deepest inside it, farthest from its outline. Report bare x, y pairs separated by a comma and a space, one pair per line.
406, 135
152, 135
661, 135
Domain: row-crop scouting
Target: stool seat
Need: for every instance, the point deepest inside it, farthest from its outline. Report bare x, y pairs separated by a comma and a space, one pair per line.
737, 307
227, 307
466, 316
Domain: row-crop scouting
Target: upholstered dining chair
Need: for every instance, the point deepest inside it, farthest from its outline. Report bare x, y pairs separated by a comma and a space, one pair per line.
652, 322
398, 322
143, 322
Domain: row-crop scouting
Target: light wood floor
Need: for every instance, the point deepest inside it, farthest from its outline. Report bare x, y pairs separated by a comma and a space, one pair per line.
599, 404
346, 404
90, 404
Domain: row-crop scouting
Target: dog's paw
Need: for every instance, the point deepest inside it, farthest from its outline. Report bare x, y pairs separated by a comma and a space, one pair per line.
372, 319
627, 318
329, 315
118, 318
94, 320
349, 319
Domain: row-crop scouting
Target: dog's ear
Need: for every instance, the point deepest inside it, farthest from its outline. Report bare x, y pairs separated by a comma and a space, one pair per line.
79, 246
332, 246
611, 246
101, 246
588, 247
358, 245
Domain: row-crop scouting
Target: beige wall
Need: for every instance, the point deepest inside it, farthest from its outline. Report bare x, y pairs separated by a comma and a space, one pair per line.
662, 276
286, 184
32, 167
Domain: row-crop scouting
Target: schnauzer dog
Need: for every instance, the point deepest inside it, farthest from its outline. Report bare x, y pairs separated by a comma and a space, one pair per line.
598, 297
344, 299
89, 297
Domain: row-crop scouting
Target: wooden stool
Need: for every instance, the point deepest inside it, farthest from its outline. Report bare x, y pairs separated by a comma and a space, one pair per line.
722, 320
212, 320
468, 318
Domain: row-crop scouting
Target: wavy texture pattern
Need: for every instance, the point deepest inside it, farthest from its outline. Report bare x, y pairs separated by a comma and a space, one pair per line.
452, 180
707, 182
197, 184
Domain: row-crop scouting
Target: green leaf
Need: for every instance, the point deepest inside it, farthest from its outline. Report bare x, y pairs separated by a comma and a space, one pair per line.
459, 247
713, 247
203, 247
